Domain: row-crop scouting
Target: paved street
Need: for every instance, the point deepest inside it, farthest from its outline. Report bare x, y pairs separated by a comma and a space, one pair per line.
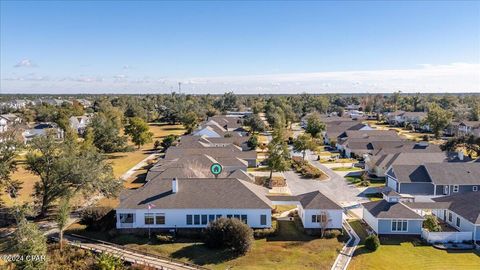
336, 187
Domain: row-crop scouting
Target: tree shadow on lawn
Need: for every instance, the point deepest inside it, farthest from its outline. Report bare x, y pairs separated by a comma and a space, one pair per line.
200, 254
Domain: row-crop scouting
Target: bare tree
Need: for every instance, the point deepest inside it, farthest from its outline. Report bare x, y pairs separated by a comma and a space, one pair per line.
323, 219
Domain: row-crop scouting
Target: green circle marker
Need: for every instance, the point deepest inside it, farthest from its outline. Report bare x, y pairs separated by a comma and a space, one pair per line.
216, 169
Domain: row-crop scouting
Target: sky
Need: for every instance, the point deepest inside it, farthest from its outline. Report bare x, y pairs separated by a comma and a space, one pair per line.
246, 47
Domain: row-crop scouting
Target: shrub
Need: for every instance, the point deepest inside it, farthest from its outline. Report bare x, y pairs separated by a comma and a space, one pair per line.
164, 238
168, 141
372, 242
266, 232
431, 224
157, 144
329, 234
229, 233
98, 218
253, 142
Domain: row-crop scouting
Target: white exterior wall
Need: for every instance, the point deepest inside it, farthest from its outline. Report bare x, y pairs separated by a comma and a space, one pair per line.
178, 217
336, 218
370, 220
465, 225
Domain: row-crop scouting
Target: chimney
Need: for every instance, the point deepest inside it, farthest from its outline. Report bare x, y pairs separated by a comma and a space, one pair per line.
174, 185
460, 155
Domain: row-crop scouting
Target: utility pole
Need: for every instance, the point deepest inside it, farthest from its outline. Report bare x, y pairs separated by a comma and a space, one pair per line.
179, 87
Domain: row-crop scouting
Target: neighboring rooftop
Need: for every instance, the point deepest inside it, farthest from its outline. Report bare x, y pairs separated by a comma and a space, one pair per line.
466, 205
384, 209
197, 193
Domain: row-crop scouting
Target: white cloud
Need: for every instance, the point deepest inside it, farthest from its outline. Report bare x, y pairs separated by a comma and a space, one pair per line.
455, 77
25, 63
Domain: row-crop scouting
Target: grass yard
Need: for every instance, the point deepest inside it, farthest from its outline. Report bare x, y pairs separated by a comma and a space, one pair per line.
347, 169
374, 182
121, 163
408, 253
290, 249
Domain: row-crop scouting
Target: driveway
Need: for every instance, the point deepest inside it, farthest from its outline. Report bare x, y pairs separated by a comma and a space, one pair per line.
335, 188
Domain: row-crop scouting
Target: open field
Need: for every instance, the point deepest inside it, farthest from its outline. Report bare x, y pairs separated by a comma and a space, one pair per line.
121, 163
278, 252
409, 253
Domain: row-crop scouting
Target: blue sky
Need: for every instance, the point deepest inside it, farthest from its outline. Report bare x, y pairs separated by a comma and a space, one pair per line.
147, 46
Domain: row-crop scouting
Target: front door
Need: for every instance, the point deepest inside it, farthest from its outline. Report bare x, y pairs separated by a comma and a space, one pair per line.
446, 190
444, 215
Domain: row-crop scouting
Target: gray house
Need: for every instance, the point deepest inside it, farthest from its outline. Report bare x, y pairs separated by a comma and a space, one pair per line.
434, 178
391, 216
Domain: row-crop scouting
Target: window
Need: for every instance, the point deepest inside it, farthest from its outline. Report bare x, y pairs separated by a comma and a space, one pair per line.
126, 218
219, 216
160, 219
229, 216
211, 218
263, 219
475, 188
244, 219
236, 216
399, 225
149, 219
196, 219
458, 222
450, 217
319, 218
189, 219
204, 219
455, 188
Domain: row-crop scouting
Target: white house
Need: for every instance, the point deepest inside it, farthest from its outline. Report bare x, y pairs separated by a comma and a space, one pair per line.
193, 203
315, 210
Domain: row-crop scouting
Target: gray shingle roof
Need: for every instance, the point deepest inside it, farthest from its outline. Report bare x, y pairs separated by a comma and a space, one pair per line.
466, 205
205, 193
385, 161
411, 174
384, 209
215, 152
317, 200
454, 173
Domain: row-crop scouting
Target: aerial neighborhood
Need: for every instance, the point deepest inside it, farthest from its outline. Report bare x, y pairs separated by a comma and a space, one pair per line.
342, 172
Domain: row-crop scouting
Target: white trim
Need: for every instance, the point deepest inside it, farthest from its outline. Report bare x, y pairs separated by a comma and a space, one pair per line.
402, 222
475, 188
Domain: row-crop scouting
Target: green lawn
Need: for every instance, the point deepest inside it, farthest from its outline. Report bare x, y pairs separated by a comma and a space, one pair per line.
346, 169
357, 182
290, 249
409, 253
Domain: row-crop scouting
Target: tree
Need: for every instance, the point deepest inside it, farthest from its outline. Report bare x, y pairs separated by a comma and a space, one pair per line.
139, 131
168, 141
324, 221
229, 233
437, 119
252, 141
104, 129
28, 240
190, 121
255, 123
431, 224
278, 154
470, 143
372, 242
314, 125
8, 151
66, 169
107, 261
63, 213
227, 102
303, 143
